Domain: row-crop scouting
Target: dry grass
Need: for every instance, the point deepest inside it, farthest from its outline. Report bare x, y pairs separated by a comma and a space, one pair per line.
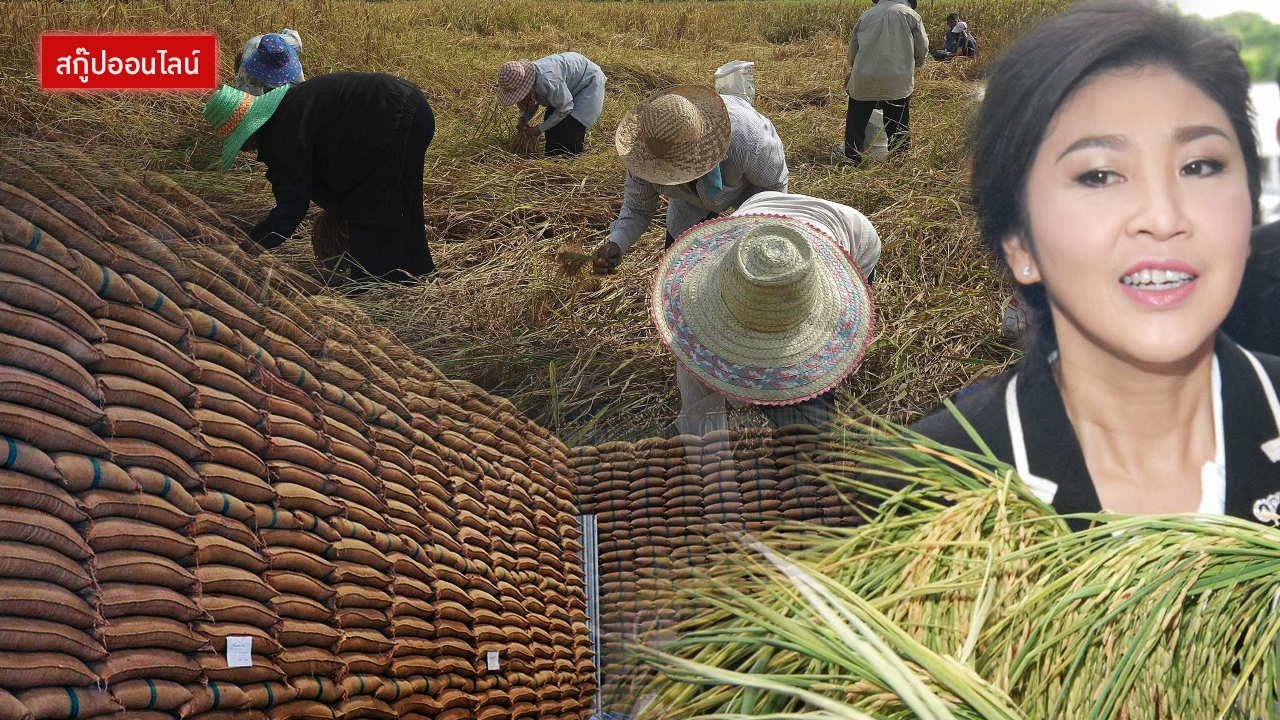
513, 309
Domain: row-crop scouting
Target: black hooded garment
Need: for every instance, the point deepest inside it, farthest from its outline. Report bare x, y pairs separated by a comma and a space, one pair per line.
338, 140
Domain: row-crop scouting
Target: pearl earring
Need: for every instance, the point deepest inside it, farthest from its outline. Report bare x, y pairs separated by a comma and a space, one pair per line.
1026, 271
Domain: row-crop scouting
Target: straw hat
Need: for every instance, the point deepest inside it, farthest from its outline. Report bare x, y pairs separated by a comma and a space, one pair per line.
235, 115
675, 135
762, 308
274, 61
515, 80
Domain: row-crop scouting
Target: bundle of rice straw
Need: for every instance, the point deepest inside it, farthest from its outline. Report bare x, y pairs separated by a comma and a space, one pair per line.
331, 243
965, 589
526, 143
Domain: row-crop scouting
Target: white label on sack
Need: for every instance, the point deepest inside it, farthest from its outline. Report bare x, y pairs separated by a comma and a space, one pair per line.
493, 659
239, 651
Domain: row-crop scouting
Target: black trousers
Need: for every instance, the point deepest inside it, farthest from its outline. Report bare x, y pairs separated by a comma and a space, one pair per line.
400, 252
566, 138
897, 122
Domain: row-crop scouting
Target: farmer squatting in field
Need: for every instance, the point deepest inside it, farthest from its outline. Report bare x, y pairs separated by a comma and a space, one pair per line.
704, 152
767, 308
352, 143
1119, 183
568, 85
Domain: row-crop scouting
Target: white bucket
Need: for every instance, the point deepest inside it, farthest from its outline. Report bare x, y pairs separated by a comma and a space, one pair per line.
737, 78
877, 140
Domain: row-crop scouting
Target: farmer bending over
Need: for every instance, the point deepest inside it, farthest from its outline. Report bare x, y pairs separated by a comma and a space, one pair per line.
704, 152
959, 41
766, 310
568, 85
352, 143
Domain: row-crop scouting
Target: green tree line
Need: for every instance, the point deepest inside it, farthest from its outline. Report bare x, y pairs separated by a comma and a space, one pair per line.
1259, 43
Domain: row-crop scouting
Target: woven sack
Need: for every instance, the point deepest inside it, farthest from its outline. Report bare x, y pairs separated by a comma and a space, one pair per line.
408, 627
350, 595
130, 422
229, 580
137, 505
215, 549
300, 539
282, 557
122, 665
317, 688
363, 641
223, 402
299, 584
42, 495
36, 562
225, 504
206, 327
358, 708
359, 574
116, 533
33, 635
270, 694
126, 391
230, 428
41, 332
300, 608
220, 311
117, 600
202, 698
296, 661
293, 633
150, 631
220, 378
300, 710
27, 526
21, 671
121, 360
236, 481
262, 670
231, 609
26, 270
147, 694
366, 663
233, 454
142, 567
283, 448
363, 618
40, 391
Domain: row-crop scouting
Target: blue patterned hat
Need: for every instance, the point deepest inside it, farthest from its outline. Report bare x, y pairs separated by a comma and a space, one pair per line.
275, 61
762, 308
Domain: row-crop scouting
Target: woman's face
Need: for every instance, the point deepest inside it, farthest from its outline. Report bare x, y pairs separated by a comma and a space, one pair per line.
1139, 210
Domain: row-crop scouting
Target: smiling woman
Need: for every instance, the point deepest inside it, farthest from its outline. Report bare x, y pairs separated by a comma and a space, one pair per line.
1119, 182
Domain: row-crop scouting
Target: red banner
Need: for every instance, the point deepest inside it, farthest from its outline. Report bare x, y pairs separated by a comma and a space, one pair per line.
128, 62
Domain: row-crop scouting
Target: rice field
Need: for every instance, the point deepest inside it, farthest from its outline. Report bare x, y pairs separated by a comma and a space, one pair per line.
514, 308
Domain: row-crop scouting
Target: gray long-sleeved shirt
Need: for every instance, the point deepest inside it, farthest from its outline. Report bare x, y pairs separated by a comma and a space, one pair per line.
886, 47
756, 161
572, 86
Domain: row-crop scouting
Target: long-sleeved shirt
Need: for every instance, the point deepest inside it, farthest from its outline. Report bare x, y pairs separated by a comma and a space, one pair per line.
886, 47
337, 140
702, 409
756, 161
572, 86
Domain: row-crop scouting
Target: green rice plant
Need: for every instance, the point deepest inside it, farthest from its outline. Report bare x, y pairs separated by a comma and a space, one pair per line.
981, 590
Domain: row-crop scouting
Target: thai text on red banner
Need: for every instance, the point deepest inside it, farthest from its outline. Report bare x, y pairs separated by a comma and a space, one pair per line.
128, 62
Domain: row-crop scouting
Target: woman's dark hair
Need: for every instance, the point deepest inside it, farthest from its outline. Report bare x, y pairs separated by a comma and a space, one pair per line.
1045, 68
953, 16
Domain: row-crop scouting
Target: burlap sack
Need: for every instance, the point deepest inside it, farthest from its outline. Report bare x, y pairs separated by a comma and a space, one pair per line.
117, 600
317, 688
293, 633
300, 710
148, 694
230, 428
270, 694
203, 698
306, 660
300, 608
231, 609
299, 584
133, 664
117, 533
36, 297
209, 523
228, 404
230, 580
262, 670
132, 452
219, 354
366, 618
68, 703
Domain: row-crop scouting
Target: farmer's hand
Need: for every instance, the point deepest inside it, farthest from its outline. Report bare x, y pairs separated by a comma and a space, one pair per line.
608, 256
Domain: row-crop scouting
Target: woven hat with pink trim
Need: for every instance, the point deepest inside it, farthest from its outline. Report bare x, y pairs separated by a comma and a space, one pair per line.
515, 80
763, 308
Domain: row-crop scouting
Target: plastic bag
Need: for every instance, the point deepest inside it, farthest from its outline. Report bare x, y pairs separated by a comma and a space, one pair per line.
737, 78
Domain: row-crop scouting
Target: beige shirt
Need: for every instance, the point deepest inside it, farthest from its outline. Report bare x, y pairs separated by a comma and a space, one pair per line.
886, 47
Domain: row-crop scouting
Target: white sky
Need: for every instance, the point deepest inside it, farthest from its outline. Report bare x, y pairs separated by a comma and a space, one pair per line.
1270, 9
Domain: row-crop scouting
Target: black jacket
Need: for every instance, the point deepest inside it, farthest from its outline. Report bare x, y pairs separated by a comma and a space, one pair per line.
1053, 450
1254, 322
337, 140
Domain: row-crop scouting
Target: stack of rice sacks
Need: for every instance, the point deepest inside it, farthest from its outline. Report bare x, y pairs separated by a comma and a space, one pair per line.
666, 507
183, 462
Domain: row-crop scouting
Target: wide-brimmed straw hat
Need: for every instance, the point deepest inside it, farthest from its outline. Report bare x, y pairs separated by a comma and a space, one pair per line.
675, 135
515, 80
274, 61
763, 308
235, 115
